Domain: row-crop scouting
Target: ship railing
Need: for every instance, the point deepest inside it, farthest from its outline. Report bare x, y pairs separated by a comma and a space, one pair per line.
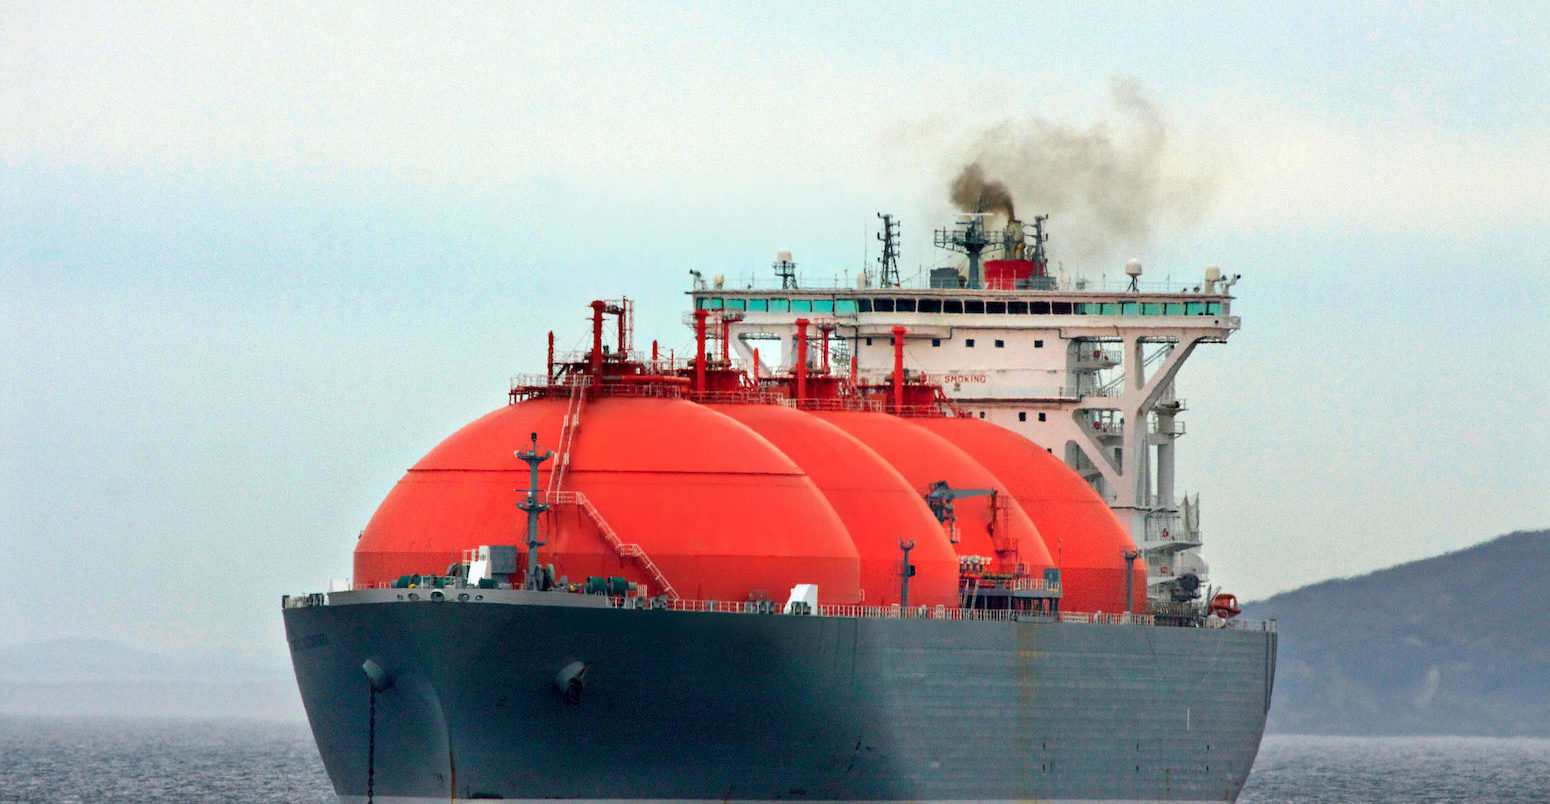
654, 390
810, 284
1237, 624
1106, 618
835, 404
893, 612
740, 397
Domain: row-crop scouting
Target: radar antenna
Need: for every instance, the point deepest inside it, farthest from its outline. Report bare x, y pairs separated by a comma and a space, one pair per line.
967, 237
889, 262
1039, 239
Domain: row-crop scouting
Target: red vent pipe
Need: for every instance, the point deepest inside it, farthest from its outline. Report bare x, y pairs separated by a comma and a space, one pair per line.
898, 369
726, 329
597, 344
624, 338
699, 351
825, 350
801, 359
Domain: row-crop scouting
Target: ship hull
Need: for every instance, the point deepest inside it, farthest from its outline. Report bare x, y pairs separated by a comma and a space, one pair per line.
711, 706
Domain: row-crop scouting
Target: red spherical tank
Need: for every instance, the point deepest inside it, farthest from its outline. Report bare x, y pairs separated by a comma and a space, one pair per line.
878, 506
1078, 527
990, 526
722, 513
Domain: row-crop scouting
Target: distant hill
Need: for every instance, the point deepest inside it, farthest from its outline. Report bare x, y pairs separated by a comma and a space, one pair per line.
1458, 644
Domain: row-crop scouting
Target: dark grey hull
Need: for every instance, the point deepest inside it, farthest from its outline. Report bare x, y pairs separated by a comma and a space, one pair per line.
698, 706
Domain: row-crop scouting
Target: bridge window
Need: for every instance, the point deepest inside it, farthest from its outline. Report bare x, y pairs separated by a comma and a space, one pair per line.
904, 305
1213, 308
1060, 308
1129, 308
863, 305
995, 307
1017, 308
823, 305
1173, 309
1151, 308
952, 306
929, 305
844, 305
780, 305
1039, 308
735, 304
758, 305
801, 305
1195, 308
974, 305
713, 303
882, 305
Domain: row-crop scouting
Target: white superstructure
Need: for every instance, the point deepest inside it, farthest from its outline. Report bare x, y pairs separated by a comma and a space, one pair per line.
1088, 374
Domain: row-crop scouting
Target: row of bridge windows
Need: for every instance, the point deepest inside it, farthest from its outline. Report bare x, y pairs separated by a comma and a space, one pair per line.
891, 304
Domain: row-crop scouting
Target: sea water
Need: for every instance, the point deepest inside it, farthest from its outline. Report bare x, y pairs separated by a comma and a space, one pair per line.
162, 762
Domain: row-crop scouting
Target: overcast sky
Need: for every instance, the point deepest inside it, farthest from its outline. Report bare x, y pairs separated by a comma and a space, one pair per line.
254, 262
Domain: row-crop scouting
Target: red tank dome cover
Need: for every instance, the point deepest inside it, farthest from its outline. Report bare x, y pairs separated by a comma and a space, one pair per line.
877, 505
923, 458
1077, 525
695, 489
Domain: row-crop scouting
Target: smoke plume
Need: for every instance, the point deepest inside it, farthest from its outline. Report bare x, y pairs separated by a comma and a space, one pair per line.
1107, 188
972, 191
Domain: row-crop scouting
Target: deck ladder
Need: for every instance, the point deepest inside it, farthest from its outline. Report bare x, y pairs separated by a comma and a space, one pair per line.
568, 427
628, 551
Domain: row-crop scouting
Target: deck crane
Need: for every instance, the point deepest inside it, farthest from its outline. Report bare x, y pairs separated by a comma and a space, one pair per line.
940, 498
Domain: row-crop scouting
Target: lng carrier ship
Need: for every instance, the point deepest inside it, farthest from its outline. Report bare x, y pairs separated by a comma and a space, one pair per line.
876, 542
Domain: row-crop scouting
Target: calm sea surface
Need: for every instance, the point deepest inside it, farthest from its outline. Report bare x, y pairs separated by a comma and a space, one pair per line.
154, 762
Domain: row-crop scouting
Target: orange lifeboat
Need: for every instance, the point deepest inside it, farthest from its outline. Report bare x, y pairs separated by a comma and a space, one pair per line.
1225, 606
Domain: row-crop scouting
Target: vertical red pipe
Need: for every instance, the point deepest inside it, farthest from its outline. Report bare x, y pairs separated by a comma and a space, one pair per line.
551, 355
898, 369
654, 356
756, 366
726, 356
825, 351
801, 360
699, 350
597, 344
853, 368
624, 320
